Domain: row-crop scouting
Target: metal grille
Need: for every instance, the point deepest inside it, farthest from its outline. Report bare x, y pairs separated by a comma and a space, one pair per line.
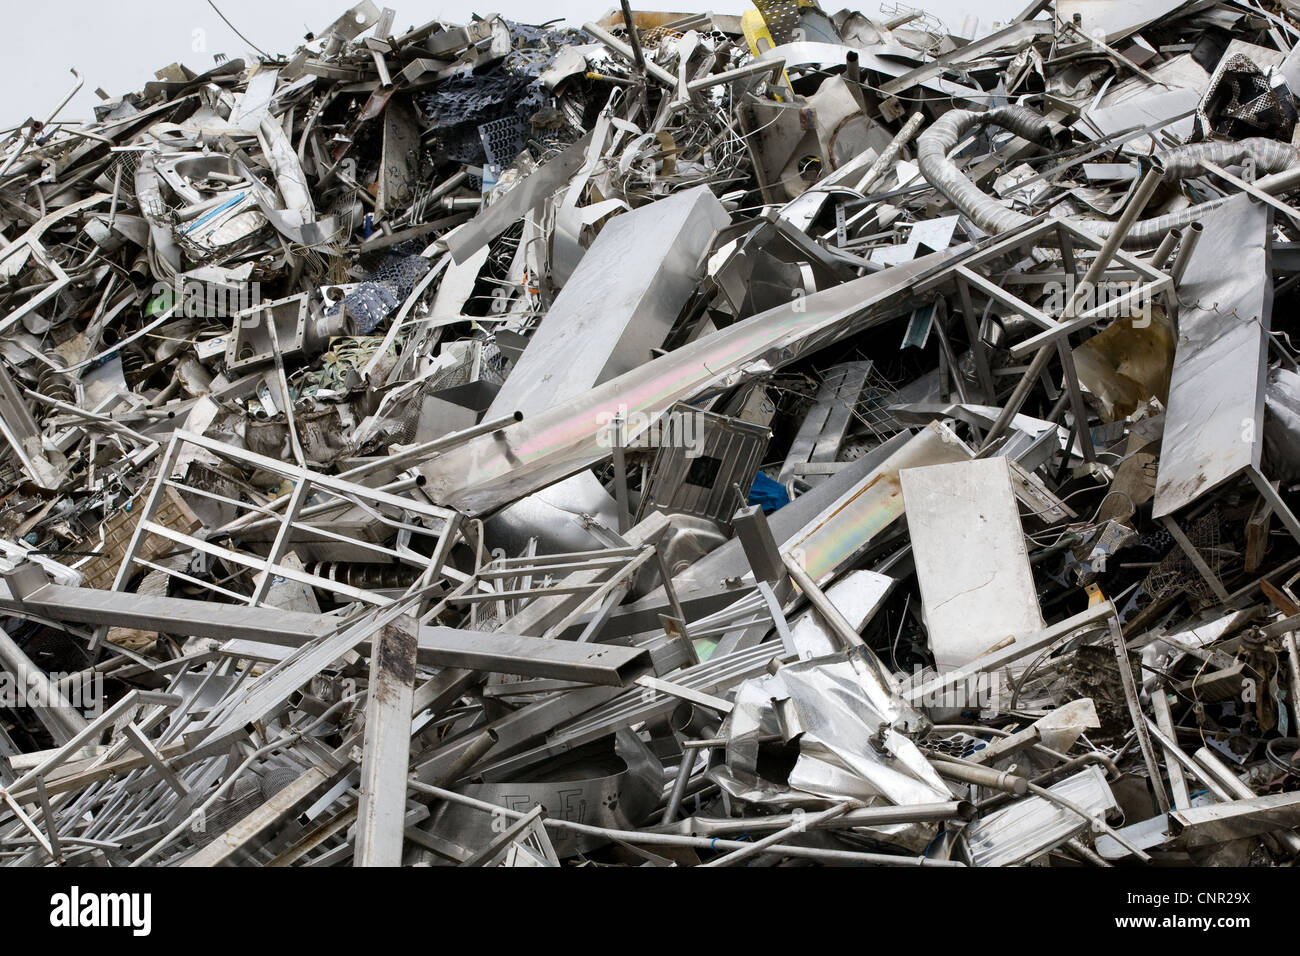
503, 139
1175, 574
126, 162
781, 17
388, 285
955, 744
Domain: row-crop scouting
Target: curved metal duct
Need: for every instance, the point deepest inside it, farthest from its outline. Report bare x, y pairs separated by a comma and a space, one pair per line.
993, 215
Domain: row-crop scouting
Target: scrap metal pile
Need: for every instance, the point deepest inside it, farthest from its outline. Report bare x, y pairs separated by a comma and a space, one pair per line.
780, 439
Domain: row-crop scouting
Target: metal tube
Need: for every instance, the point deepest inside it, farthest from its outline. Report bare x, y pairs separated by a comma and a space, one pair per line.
981, 776
1190, 238
845, 631
800, 825
638, 57
53, 705
861, 817
427, 448
1166, 248
1086, 854
680, 782
1150, 182
890, 155
1188, 764
739, 73
625, 51
28, 138
699, 843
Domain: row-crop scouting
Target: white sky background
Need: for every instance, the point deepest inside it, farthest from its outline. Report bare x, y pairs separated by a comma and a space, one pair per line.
118, 44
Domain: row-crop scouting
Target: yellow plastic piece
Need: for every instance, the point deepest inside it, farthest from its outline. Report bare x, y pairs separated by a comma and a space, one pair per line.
759, 38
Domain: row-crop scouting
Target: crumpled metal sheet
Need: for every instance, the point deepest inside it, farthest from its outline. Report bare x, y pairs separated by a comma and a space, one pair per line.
851, 732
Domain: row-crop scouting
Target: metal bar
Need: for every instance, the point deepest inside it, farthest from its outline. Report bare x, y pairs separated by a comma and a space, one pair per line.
604, 664
1180, 796
1135, 711
381, 810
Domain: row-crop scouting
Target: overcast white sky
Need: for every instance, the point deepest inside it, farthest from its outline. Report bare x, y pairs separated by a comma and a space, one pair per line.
117, 44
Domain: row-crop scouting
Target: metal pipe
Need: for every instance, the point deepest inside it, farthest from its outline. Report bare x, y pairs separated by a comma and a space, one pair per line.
1188, 764
861, 817
889, 157
646, 838
29, 138
845, 631
1166, 248
987, 212
800, 825
469, 756
684, 773
638, 57
739, 73
993, 215
51, 705
424, 449
980, 776
1190, 238
623, 50
1087, 855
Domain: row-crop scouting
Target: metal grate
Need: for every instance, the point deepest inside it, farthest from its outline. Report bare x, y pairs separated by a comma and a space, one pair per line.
781, 17
1175, 574
872, 407
503, 139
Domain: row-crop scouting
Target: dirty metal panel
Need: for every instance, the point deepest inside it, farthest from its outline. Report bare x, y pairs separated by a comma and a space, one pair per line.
972, 562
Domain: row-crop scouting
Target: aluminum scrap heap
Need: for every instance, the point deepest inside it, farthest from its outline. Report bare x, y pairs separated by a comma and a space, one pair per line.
779, 439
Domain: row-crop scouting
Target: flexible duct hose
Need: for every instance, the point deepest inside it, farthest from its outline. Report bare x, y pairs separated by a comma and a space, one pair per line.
933, 146
993, 215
